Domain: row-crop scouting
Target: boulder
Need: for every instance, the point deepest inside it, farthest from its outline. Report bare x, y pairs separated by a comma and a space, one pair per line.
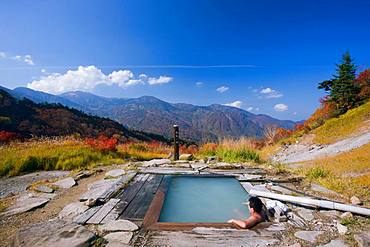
25, 203
65, 183
56, 233
186, 157
118, 225
43, 188
334, 243
362, 239
156, 162
342, 229
306, 214
346, 215
115, 173
309, 236
119, 237
355, 200
72, 211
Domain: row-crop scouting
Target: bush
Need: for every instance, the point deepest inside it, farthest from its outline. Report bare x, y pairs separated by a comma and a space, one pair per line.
317, 172
103, 143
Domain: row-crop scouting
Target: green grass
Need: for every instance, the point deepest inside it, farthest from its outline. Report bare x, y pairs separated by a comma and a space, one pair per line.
343, 126
238, 155
51, 155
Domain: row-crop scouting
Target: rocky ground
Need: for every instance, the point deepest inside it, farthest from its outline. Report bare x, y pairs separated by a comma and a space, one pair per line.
303, 150
47, 212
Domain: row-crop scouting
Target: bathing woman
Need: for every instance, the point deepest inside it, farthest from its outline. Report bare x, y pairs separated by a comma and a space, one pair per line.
257, 214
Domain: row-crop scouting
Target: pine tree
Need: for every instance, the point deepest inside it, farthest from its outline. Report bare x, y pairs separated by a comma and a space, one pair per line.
342, 89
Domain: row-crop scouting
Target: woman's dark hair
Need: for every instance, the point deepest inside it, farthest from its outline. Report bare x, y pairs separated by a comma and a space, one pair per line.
256, 204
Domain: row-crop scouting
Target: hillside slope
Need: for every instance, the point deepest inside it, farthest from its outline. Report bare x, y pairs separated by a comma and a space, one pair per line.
349, 131
198, 123
28, 119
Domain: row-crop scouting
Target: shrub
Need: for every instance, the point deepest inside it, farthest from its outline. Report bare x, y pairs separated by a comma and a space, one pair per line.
6, 136
103, 143
317, 172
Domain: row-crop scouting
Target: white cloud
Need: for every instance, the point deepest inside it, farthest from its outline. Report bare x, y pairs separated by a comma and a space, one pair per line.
199, 84
270, 93
251, 108
86, 78
222, 89
43, 71
160, 80
236, 104
280, 107
26, 58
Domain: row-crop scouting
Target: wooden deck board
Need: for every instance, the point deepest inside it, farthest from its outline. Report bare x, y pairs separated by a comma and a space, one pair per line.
103, 211
126, 196
139, 205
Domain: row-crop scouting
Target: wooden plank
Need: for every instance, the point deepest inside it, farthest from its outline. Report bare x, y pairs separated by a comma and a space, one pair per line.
84, 217
117, 186
126, 196
137, 208
100, 215
154, 210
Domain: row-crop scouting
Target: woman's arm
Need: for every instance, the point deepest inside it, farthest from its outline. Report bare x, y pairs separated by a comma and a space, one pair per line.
250, 222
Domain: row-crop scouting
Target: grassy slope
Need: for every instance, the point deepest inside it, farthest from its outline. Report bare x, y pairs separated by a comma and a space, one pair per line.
347, 173
336, 129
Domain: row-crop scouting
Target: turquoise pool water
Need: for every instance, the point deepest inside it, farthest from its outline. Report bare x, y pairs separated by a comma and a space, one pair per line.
204, 199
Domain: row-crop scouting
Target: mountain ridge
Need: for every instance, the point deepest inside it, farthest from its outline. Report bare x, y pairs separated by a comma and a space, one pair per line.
150, 114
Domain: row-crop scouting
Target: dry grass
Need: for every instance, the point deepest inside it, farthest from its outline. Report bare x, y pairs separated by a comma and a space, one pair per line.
346, 173
230, 150
51, 154
336, 129
144, 151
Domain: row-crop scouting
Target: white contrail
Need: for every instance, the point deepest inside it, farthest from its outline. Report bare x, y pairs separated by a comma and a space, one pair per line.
171, 66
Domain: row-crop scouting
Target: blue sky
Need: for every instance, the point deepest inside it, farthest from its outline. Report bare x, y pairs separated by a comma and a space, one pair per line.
266, 56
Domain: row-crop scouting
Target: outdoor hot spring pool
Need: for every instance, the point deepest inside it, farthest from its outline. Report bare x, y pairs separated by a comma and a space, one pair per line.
204, 199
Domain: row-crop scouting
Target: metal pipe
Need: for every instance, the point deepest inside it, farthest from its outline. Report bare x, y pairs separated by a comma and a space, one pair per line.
312, 202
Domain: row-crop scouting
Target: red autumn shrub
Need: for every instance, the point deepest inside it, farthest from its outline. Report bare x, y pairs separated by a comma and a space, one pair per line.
191, 149
363, 80
7, 136
103, 143
324, 112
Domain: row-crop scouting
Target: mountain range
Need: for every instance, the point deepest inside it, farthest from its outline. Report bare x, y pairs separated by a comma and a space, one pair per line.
149, 114
29, 119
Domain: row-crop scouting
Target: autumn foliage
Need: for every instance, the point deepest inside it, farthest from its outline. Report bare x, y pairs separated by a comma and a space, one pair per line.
7, 136
363, 80
103, 143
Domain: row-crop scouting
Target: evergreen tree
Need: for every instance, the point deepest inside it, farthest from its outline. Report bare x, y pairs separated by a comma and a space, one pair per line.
342, 89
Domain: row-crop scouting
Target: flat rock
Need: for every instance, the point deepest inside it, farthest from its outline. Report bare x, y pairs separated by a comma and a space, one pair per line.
187, 157
156, 162
43, 188
118, 225
115, 173
119, 237
223, 165
335, 243
276, 228
362, 239
330, 213
16, 184
305, 213
322, 189
249, 177
25, 203
309, 236
346, 215
56, 233
342, 229
355, 200
72, 211
65, 183
281, 190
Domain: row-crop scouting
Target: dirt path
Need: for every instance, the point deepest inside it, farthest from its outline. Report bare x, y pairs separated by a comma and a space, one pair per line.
11, 224
303, 152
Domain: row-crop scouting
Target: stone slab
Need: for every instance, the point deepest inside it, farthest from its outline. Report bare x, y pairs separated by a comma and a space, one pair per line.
25, 203
43, 188
362, 239
309, 236
72, 211
118, 226
119, 237
335, 243
56, 233
115, 173
65, 183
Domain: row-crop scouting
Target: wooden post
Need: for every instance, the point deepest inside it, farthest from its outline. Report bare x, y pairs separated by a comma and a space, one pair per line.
176, 142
